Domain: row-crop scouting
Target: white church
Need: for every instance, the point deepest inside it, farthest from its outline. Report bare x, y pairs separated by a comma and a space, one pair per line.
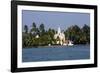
60, 37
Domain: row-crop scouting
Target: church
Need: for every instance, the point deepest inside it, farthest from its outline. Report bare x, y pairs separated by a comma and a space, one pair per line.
60, 37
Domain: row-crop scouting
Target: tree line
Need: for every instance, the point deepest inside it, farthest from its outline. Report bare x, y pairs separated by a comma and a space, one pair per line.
74, 33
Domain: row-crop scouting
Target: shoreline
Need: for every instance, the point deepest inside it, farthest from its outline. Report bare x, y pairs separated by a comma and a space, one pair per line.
54, 46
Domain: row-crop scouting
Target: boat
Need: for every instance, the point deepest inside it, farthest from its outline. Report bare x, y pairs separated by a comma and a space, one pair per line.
70, 43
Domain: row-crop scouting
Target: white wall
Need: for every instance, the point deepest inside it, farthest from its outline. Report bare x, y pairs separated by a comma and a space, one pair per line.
5, 37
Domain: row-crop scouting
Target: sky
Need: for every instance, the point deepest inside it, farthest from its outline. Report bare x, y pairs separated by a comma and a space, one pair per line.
54, 19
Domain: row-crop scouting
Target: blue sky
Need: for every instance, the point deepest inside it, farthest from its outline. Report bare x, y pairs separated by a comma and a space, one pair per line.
54, 19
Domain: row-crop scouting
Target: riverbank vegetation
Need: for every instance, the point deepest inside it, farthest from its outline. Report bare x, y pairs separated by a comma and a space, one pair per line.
39, 36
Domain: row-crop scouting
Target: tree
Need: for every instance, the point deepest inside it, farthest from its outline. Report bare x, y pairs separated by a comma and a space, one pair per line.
34, 29
73, 33
42, 30
86, 29
26, 29
34, 25
86, 33
51, 32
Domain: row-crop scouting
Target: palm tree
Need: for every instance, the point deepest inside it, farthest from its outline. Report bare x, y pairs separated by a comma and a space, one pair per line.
41, 29
26, 29
33, 29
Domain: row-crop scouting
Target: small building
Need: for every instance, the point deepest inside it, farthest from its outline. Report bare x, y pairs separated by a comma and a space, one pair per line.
37, 36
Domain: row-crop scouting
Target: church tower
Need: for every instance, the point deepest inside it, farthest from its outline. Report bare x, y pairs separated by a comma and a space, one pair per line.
59, 30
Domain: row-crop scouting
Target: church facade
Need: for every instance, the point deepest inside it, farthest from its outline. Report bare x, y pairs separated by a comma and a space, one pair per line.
60, 37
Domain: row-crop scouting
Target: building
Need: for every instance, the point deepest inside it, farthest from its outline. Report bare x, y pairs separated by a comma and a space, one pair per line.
60, 37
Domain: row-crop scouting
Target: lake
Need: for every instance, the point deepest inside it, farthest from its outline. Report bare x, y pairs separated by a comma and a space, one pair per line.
75, 52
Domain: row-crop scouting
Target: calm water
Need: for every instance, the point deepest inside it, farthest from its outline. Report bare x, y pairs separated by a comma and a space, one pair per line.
75, 52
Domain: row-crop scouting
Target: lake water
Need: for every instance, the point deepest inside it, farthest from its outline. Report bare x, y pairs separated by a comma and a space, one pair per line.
75, 52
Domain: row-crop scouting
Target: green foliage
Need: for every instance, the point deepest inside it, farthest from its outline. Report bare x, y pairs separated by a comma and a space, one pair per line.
75, 33
26, 28
78, 35
33, 29
41, 29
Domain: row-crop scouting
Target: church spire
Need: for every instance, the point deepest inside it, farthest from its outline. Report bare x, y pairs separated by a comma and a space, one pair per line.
59, 30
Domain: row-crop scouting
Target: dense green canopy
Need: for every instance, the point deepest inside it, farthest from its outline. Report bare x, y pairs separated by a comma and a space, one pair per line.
74, 33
